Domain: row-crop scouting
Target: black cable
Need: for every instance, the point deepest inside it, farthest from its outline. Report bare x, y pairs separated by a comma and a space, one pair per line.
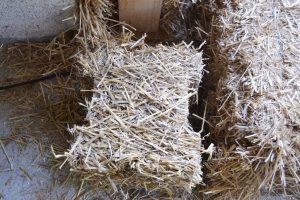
49, 76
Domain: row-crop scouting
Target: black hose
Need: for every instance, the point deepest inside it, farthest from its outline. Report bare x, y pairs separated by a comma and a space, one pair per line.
49, 76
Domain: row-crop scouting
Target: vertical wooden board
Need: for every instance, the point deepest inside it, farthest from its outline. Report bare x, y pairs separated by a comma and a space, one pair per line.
143, 15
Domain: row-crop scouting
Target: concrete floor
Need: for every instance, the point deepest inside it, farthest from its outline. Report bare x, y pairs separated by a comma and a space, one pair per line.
25, 169
29, 177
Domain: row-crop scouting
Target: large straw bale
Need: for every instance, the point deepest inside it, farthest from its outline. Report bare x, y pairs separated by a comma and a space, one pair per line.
137, 117
260, 107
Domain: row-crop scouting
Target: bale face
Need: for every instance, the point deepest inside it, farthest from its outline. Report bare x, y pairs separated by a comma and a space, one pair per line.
137, 118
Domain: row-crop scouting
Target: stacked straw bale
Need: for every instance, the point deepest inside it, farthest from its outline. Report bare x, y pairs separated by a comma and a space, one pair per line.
138, 135
260, 107
137, 117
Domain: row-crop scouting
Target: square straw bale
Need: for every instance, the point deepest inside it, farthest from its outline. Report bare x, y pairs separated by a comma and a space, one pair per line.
137, 117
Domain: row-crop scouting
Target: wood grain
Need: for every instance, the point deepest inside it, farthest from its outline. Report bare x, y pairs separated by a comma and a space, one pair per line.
143, 15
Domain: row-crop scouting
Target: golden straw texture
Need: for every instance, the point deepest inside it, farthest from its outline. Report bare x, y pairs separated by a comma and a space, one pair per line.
137, 117
260, 107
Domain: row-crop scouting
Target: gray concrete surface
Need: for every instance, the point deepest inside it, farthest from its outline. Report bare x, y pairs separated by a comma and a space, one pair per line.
28, 179
34, 19
24, 173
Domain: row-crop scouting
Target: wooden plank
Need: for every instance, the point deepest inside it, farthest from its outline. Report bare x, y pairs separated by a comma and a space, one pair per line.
143, 15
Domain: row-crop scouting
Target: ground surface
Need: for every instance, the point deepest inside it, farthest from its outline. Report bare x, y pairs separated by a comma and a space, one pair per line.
29, 177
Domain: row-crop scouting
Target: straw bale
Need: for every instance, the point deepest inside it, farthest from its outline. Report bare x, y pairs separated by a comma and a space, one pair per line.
260, 98
137, 117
